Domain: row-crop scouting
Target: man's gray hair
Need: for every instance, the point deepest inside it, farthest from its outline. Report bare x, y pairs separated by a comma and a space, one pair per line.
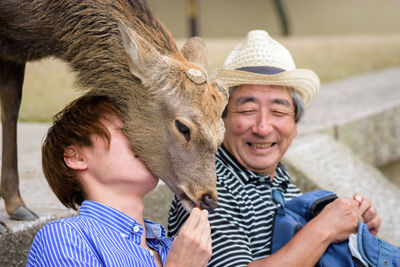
299, 106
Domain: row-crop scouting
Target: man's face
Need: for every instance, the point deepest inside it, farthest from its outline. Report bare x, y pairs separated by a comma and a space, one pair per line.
259, 126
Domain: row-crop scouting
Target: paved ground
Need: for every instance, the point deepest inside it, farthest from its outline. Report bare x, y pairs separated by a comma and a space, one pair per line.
33, 186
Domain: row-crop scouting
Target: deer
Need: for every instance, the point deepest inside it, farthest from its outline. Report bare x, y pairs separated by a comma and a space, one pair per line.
121, 50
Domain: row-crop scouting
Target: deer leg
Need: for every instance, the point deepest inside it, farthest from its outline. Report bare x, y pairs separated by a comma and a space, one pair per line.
11, 79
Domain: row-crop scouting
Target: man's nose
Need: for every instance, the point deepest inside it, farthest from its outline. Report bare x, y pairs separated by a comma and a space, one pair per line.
263, 124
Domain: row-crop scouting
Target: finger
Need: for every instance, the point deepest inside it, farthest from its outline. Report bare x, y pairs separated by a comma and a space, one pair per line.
207, 225
205, 212
356, 210
204, 218
366, 207
193, 219
374, 225
370, 214
358, 197
204, 224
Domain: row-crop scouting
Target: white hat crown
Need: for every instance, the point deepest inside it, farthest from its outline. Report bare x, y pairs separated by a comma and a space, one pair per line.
262, 60
260, 50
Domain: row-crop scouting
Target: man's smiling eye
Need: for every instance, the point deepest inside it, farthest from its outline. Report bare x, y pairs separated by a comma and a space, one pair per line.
280, 113
247, 112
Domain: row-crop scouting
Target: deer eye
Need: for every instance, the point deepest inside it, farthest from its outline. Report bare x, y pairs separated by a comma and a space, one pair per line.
183, 129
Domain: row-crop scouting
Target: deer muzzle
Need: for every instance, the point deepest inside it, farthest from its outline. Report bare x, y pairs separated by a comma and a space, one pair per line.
204, 199
208, 203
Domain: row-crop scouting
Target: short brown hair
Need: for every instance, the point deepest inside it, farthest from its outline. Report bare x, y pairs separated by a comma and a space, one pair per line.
74, 125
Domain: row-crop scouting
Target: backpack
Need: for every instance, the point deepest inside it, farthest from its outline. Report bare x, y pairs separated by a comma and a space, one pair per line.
362, 249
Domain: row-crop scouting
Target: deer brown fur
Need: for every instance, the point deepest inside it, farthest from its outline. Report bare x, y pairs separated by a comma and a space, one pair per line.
118, 48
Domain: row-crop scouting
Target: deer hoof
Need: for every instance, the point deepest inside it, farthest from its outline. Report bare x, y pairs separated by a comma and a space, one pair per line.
23, 214
3, 227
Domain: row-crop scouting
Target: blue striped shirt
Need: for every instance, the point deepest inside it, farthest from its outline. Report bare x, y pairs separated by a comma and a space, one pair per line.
98, 236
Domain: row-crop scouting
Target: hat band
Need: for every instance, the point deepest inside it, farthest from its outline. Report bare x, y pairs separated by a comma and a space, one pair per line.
267, 70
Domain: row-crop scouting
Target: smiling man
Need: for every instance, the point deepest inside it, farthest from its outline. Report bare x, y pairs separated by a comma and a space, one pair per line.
267, 99
260, 126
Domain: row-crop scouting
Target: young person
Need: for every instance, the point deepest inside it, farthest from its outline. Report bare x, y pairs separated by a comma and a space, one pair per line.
88, 163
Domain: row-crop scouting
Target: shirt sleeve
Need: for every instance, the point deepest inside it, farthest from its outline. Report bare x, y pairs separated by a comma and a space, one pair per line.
59, 244
291, 192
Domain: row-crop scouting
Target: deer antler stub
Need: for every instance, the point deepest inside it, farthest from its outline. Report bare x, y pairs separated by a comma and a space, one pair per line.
196, 76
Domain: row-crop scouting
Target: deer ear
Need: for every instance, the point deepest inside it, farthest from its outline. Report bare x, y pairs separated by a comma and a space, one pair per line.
143, 59
195, 51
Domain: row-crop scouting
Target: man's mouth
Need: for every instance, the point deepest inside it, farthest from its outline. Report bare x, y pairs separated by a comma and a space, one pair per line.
261, 145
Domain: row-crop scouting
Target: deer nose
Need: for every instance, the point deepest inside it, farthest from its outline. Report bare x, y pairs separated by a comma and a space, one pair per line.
208, 203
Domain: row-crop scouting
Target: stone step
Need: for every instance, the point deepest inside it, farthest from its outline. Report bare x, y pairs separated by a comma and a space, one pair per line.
362, 112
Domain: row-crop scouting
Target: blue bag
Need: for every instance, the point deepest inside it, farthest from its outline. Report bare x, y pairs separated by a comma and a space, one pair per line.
292, 215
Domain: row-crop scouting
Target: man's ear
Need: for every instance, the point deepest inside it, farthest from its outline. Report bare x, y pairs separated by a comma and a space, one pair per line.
74, 158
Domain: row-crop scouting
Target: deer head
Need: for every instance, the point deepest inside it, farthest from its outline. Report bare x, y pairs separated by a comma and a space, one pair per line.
175, 126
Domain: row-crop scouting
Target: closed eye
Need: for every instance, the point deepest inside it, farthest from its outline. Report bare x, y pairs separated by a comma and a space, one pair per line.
247, 112
281, 113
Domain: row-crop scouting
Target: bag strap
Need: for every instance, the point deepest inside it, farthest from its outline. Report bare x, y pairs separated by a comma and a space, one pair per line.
278, 197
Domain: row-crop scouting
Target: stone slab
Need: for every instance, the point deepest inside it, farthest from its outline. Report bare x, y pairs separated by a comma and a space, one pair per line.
362, 112
318, 161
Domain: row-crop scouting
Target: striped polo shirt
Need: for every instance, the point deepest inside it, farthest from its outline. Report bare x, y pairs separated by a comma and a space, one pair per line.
98, 236
241, 225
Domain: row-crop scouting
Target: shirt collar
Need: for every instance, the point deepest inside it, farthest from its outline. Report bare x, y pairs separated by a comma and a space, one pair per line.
281, 177
120, 222
154, 230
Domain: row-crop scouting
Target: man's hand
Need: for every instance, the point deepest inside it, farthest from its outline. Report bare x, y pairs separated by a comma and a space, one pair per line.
334, 223
368, 212
339, 219
192, 246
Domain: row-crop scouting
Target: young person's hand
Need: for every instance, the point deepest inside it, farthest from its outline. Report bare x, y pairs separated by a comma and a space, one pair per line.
192, 246
368, 212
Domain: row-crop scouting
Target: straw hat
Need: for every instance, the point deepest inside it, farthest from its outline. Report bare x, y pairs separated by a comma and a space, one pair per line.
262, 60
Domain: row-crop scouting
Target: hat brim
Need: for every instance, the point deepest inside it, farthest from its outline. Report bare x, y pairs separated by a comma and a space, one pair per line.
305, 82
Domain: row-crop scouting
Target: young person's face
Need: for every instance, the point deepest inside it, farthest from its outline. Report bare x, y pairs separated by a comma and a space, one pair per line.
259, 126
117, 165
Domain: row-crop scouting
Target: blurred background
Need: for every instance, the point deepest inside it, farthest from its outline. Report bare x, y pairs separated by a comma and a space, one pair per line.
234, 18
337, 39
